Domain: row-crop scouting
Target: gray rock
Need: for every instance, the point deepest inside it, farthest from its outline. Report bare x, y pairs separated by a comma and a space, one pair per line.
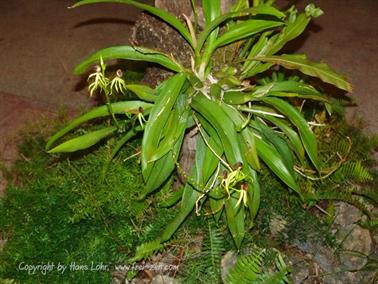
276, 225
228, 261
356, 246
346, 214
337, 267
164, 279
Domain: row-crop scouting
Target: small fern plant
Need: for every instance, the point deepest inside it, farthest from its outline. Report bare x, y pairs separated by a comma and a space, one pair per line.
250, 269
239, 122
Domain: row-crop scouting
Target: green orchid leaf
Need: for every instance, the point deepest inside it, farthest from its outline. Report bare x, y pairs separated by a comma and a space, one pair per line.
178, 123
188, 201
83, 142
305, 132
274, 161
157, 172
246, 139
214, 114
291, 134
102, 111
315, 69
209, 158
211, 11
261, 47
128, 53
191, 194
250, 151
269, 136
235, 219
276, 89
216, 202
240, 5
240, 31
295, 25
215, 23
160, 112
143, 92
295, 87
165, 16
253, 195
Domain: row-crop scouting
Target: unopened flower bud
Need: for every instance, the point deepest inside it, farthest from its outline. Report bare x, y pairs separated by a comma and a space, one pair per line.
238, 165
225, 174
244, 186
119, 73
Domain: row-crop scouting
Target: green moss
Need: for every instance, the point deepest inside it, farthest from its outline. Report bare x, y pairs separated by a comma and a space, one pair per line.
61, 211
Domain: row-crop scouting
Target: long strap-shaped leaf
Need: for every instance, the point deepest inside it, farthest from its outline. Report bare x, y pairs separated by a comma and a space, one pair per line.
278, 89
179, 120
315, 69
307, 136
118, 108
235, 219
129, 53
143, 92
267, 152
291, 134
83, 142
223, 125
166, 99
238, 32
263, 10
282, 147
159, 171
190, 194
246, 139
294, 27
274, 161
211, 10
215, 143
165, 16
245, 29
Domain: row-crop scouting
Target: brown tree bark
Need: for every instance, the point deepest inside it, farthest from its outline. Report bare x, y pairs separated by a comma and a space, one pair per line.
152, 33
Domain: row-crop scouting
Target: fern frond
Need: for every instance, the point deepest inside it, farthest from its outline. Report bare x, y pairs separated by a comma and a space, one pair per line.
367, 193
247, 268
213, 246
146, 250
279, 277
344, 196
341, 146
353, 171
370, 224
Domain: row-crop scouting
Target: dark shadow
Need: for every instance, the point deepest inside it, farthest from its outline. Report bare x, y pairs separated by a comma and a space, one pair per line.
100, 21
284, 5
296, 44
